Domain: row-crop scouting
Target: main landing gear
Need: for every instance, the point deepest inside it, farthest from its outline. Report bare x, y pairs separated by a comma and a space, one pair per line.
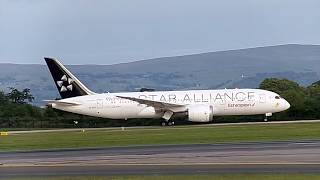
167, 123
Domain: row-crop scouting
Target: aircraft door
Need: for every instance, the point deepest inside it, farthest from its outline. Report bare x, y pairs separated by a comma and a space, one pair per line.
99, 103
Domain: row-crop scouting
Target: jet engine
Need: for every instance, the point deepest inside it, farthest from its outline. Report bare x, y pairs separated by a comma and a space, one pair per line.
200, 113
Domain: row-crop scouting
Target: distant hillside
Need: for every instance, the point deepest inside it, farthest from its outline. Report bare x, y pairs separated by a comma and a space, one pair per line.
225, 69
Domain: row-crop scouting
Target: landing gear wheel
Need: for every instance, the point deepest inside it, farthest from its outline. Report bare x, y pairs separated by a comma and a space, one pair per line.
170, 123
167, 123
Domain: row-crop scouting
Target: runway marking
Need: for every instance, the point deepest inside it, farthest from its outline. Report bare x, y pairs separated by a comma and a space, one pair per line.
306, 143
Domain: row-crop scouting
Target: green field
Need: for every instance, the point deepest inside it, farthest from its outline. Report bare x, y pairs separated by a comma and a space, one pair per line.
157, 136
191, 177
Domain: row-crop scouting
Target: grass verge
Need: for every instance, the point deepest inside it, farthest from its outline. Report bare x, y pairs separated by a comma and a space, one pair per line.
157, 136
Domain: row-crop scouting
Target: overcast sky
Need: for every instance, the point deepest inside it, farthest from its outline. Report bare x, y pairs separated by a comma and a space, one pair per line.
114, 31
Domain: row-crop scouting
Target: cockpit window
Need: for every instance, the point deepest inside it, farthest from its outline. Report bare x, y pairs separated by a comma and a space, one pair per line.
278, 97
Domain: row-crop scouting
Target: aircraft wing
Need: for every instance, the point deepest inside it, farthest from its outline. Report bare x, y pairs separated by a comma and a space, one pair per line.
158, 104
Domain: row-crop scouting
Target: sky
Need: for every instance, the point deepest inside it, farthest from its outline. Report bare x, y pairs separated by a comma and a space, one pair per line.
118, 31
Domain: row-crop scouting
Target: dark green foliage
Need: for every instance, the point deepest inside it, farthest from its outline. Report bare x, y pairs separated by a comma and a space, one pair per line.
305, 101
280, 85
3, 98
20, 97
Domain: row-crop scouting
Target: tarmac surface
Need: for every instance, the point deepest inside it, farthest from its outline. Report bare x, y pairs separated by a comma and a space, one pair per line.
258, 157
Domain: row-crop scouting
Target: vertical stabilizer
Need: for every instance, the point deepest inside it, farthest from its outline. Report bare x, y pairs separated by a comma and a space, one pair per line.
68, 85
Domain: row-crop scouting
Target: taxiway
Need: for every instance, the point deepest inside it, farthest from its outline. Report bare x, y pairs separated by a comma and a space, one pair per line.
255, 157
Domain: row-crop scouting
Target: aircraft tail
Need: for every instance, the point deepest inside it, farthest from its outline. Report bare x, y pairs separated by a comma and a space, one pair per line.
68, 85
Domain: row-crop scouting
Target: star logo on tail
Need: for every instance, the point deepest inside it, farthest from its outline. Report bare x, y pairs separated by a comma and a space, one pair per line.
65, 84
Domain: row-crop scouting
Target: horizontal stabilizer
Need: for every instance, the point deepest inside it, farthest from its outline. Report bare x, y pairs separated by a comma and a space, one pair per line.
61, 103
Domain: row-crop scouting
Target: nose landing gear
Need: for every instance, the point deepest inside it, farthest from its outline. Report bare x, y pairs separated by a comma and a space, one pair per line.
266, 116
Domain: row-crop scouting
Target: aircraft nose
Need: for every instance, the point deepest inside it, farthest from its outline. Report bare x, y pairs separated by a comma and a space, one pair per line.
287, 105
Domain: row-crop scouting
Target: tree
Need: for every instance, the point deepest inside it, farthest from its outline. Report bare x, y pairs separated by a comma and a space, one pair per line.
20, 97
27, 95
279, 85
313, 100
297, 99
314, 89
3, 98
291, 91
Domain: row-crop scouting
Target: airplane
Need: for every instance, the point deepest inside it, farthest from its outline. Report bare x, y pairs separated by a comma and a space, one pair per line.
194, 105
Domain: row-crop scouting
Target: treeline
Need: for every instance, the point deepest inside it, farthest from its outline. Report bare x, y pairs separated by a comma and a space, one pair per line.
305, 101
16, 112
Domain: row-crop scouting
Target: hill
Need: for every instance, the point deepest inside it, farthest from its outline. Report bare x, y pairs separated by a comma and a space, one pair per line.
225, 69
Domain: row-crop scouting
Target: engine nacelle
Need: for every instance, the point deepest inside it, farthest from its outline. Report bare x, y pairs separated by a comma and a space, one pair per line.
200, 113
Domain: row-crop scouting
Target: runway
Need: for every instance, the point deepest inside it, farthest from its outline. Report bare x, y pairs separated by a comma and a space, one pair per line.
258, 157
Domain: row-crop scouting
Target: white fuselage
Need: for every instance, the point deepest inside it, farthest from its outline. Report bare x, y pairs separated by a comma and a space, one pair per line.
223, 101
